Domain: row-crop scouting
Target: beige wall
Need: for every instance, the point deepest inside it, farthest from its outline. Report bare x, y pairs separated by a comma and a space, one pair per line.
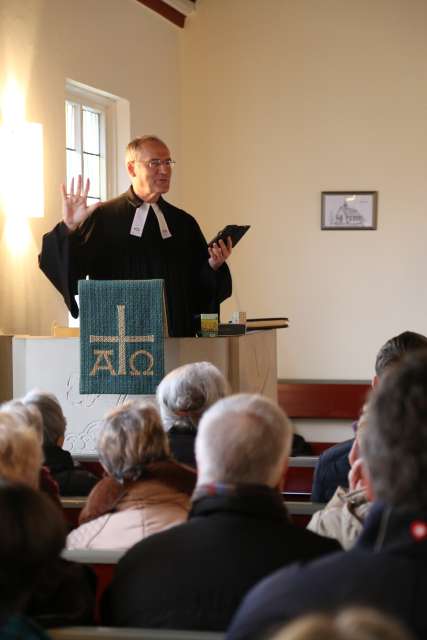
118, 46
282, 99
270, 102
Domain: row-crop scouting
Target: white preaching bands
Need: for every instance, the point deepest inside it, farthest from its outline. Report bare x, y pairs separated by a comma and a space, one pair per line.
140, 219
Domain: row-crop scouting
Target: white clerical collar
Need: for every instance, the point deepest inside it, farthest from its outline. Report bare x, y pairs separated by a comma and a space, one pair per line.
140, 218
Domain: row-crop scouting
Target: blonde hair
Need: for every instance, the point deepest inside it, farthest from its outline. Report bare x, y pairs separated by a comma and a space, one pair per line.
20, 451
28, 416
132, 437
355, 623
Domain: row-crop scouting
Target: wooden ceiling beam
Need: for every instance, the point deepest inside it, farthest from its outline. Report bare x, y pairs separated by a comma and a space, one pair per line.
165, 10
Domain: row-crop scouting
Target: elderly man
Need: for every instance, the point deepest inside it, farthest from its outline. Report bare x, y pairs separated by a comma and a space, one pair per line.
138, 236
195, 575
387, 569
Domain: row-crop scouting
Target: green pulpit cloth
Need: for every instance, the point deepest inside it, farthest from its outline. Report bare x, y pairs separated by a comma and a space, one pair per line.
122, 326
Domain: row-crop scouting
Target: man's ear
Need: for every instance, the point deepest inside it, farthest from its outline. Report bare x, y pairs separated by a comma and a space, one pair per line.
130, 166
280, 480
375, 381
368, 483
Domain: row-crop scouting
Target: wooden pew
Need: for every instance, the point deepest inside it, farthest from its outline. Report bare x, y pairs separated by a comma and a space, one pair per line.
316, 401
115, 633
72, 507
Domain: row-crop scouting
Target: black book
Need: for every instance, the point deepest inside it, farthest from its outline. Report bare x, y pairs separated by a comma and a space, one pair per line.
235, 231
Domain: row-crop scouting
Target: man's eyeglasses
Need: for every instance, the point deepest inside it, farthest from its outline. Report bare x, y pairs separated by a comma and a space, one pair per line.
155, 163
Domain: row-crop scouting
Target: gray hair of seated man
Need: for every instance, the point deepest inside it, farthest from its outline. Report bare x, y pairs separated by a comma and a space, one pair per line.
185, 393
394, 445
243, 439
54, 421
26, 415
132, 437
353, 623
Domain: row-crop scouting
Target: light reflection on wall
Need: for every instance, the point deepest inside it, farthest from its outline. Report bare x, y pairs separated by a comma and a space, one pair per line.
21, 169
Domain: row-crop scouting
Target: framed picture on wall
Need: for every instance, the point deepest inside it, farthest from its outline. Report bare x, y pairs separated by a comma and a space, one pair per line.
349, 210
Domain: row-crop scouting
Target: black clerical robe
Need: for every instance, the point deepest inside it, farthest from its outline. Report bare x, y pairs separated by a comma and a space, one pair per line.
103, 249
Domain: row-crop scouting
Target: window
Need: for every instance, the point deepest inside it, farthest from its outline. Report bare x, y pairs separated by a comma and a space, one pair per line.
85, 144
97, 125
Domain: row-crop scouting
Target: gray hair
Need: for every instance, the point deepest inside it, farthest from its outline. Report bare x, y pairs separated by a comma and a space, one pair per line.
132, 437
243, 439
394, 445
186, 392
136, 145
54, 421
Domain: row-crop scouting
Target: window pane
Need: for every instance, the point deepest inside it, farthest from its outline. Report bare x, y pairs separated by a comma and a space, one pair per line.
92, 171
90, 131
70, 122
74, 166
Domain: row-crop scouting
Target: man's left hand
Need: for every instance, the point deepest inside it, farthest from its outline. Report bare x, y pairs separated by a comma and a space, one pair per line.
218, 253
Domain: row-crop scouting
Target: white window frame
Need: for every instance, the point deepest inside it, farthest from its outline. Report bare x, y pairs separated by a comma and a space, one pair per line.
105, 105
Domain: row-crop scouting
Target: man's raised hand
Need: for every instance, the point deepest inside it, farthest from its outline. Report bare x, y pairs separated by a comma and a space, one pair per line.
74, 205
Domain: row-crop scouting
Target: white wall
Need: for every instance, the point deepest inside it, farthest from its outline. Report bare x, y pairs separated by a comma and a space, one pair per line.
282, 99
118, 46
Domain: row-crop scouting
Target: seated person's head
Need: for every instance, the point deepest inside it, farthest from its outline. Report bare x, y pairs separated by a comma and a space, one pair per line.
20, 450
395, 443
28, 416
243, 439
185, 393
396, 348
131, 438
53, 419
358, 623
32, 535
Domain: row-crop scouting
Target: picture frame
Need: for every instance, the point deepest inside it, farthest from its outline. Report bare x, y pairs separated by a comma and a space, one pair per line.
349, 210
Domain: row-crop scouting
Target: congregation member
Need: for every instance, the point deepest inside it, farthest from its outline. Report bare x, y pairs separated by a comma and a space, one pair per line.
145, 491
343, 517
72, 480
20, 451
183, 396
194, 576
387, 568
357, 623
333, 467
139, 236
65, 591
30, 417
32, 535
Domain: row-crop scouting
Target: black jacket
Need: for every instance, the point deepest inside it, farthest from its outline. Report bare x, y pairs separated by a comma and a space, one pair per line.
182, 441
331, 471
387, 569
194, 575
72, 480
104, 249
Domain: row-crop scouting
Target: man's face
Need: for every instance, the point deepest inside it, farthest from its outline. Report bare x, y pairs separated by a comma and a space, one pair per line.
149, 182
